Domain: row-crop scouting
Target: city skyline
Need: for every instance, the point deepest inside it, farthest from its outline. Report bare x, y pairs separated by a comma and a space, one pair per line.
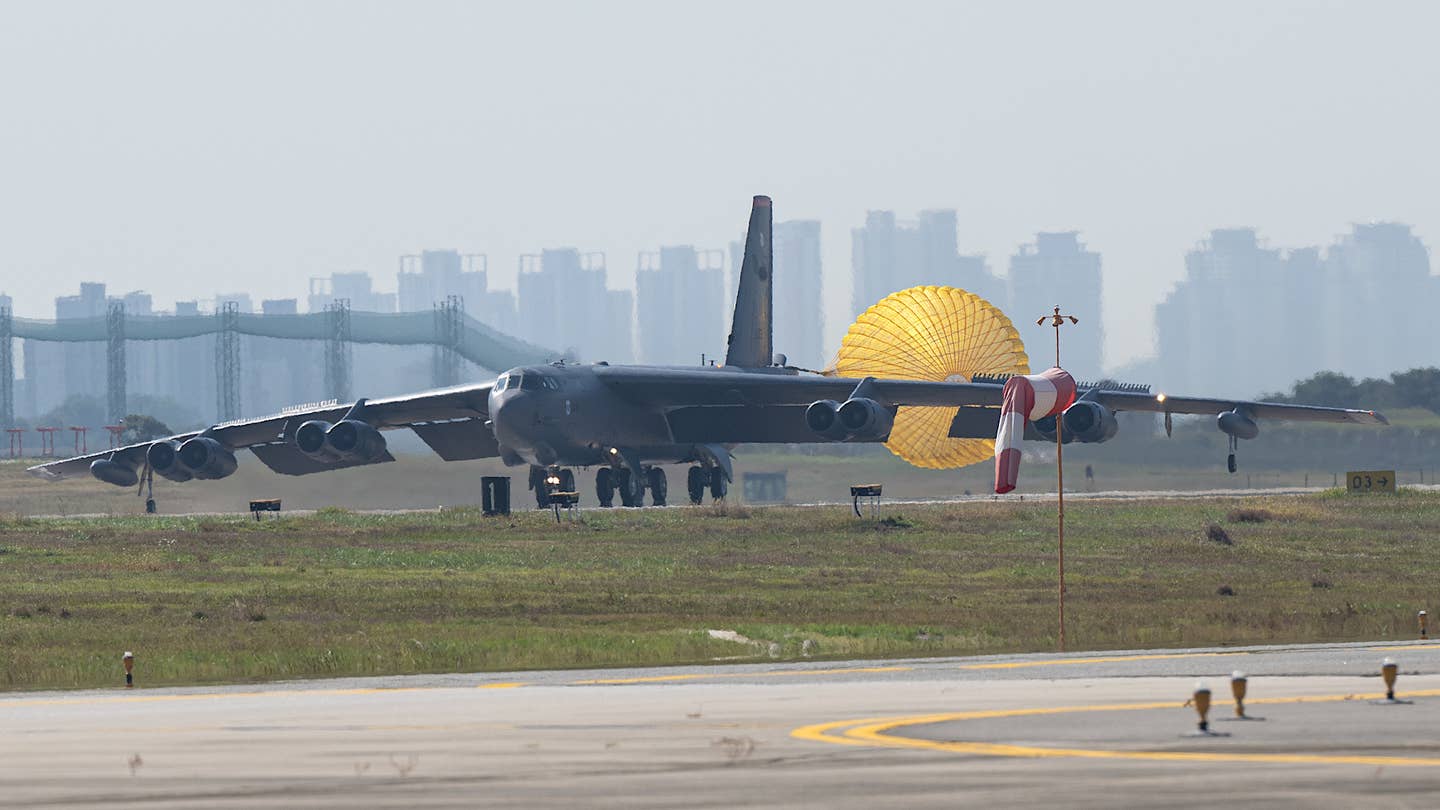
364, 133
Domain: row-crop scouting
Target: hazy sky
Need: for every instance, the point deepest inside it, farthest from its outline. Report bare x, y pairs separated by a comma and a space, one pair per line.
187, 148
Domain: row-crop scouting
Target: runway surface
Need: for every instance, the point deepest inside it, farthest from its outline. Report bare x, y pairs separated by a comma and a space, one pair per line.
1065, 730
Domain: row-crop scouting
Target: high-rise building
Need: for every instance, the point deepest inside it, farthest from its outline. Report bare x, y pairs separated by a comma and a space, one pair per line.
1248, 319
357, 288
888, 256
434, 275
1058, 270
798, 310
679, 302
565, 305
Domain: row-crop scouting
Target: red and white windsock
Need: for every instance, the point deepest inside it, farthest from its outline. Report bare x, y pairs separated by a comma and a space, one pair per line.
1027, 398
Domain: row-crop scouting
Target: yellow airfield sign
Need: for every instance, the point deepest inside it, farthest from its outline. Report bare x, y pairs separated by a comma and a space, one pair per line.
1370, 480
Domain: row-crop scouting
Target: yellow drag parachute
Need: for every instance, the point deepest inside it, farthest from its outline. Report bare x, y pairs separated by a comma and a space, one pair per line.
939, 334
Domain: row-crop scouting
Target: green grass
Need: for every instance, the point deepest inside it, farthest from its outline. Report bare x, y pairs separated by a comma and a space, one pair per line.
205, 599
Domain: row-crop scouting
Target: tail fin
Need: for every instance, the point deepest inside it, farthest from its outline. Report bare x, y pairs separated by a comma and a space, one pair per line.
751, 343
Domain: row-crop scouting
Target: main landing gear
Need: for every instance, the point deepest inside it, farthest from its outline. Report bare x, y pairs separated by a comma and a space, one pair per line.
701, 478
1230, 460
612, 480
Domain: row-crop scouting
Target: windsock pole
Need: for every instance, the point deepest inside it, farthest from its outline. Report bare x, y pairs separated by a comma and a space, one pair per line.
1057, 320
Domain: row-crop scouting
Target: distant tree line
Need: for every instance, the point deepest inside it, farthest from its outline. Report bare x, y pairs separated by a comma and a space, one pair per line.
1416, 388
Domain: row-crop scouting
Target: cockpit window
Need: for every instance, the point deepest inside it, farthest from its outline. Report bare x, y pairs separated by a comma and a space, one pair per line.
532, 382
501, 381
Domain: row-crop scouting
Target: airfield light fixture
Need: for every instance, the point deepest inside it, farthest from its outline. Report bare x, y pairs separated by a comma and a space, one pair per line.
1388, 671
1238, 682
1423, 617
1202, 705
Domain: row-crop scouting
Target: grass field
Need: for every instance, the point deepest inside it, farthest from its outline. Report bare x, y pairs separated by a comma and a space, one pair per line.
203, 599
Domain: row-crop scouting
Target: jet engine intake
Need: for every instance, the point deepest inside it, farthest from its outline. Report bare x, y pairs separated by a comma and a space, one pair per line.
114, 472
164, 458
310, 440
1090, 423
1237, 424
864, 418
823, 418
206, 458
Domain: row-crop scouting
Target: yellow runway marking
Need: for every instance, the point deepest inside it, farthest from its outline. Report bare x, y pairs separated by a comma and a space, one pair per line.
511, 685
1431, 646
696, 676
1112, 659
876, 732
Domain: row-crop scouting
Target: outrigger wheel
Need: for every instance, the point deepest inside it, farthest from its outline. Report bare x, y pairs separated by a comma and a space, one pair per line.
942, 334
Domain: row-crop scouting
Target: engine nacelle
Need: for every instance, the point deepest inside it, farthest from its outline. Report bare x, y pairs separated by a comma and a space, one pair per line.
354, 440
823, 418
346, 440
1237, 424
164, 458
206, 458
1046, 428
310, 440
114, 472
865, 419
1090, 423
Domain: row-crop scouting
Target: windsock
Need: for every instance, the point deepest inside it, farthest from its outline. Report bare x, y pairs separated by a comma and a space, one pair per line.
1027, 398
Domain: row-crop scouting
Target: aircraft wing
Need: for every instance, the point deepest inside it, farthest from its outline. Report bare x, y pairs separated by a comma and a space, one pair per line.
686, 388
449, 420
1161, 403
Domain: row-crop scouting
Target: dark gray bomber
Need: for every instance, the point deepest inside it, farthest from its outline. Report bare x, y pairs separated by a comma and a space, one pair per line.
625, 421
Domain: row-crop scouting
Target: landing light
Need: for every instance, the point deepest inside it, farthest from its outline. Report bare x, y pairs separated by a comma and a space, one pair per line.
614, 451
1159, 397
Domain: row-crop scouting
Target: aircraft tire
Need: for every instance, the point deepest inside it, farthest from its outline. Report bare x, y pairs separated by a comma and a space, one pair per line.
567, 480
695, 482
628, 494
659, 487
718, 484
542, 489
605, 487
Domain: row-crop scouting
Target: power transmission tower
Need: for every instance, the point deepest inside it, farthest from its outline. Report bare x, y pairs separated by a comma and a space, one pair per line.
7, 369
227, 362
115, 362
449, 323
337, 349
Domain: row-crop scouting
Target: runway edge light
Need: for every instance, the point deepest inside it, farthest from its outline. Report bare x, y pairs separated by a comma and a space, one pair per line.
1239, 683
1201, 700
128, 660
1389, 672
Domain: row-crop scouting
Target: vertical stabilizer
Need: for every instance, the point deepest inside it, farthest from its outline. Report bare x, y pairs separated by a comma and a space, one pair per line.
750, 344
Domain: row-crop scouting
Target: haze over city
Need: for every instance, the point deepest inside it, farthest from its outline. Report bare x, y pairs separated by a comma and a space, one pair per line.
188, 149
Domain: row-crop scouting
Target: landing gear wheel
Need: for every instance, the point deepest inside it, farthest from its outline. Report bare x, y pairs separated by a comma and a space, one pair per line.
1230, 463
695, 482
567, 480
605, 487
659, 487
632, 493
718, 484
542, 489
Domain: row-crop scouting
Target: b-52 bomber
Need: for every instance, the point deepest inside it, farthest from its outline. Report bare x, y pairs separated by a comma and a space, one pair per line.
627, 421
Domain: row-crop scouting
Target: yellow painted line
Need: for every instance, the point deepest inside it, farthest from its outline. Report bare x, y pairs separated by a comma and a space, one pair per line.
1111, 659
697, 676
877, 732
511, 685
1431, 646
